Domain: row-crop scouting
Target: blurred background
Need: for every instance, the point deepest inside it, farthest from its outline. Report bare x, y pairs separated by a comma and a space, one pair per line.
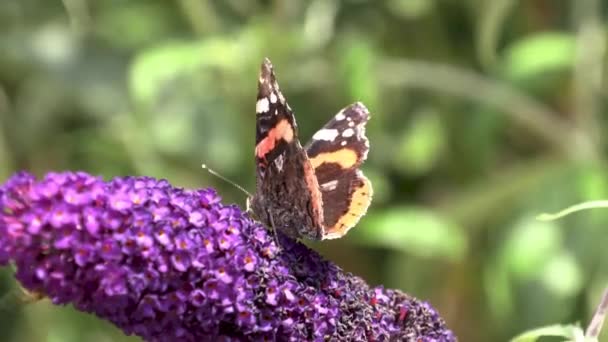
484, 115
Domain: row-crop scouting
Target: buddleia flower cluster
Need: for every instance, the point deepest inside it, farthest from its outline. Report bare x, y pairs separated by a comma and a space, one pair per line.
171, 264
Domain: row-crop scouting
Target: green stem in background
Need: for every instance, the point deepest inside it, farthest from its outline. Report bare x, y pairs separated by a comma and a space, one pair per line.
9, 301
595, 326
573, 209
16, 298
588, 67
477, 202
201, 16
79, 15
491, 24
523, 109
6, 158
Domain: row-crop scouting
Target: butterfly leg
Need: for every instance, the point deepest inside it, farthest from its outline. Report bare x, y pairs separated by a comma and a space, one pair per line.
274, 230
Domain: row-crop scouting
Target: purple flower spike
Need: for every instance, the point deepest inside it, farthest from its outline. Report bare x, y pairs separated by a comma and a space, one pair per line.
170, 264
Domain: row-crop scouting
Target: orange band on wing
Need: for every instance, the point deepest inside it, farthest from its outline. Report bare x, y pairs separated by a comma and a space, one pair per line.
346, 158
316, 199
360, 201
282, 130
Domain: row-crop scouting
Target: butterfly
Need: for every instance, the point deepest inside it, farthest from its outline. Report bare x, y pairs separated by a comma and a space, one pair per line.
316, 191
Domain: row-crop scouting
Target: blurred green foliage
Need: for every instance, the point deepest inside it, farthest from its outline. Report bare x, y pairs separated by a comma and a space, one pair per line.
485, 114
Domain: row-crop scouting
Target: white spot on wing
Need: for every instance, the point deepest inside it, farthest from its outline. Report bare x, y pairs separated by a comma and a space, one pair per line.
351, 124
340, 116
279, 162
330, 186
326, 134
366, 142
349, 132
262, 106
343, 143
273, 98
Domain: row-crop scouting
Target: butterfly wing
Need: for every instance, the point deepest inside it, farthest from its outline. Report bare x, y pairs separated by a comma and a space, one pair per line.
276, 128
287, 193
336, 152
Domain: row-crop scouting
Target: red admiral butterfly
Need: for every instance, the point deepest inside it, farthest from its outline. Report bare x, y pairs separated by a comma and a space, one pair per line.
318, 191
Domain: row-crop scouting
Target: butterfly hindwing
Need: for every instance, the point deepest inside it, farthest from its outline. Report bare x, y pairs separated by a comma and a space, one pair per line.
336, 152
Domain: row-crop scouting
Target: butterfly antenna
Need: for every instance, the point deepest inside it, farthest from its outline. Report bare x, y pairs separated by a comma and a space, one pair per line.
211, 171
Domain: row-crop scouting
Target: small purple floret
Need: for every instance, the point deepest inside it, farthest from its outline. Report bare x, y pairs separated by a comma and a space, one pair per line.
170, 264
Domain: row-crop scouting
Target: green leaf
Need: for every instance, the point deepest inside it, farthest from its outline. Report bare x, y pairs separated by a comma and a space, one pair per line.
320, 22
539, 53
357, 67
169, 131
421, 144
153, 69
411, 9
563, 275
592, 181
415, 230
571, 332
530, 246
133, 24
497, 286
